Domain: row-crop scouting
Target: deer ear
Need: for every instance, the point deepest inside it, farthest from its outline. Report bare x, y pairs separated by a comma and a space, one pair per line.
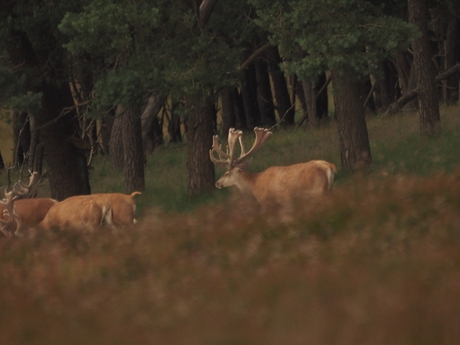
244, 164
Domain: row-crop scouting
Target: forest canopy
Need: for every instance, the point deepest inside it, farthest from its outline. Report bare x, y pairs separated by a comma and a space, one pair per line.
122, 77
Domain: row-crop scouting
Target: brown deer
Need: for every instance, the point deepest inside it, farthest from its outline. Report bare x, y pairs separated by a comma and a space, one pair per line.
18, 212
278, 184
89, 213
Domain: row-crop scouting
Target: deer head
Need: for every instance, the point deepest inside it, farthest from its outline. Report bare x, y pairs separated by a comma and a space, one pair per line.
9, 214
236, 165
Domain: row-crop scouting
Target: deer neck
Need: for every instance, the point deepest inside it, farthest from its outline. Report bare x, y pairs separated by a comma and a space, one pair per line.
246, 181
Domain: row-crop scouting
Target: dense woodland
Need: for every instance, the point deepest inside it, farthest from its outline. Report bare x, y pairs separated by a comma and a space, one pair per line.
120, 78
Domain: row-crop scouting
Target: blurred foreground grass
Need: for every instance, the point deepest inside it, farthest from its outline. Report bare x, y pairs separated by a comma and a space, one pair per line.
377, 261
378, 264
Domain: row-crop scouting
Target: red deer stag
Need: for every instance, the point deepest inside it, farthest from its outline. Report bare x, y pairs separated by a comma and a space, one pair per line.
89, 213
18, 213
277, 184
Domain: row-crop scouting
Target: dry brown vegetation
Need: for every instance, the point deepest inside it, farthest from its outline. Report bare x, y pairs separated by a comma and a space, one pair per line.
375, 262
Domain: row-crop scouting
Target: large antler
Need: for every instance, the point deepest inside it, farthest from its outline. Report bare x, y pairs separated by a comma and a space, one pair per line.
9, 212
228, 158
27, 191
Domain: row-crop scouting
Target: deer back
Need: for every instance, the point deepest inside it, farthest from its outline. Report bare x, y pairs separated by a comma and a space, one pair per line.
33, 211
79, 213
123, 206
282, 183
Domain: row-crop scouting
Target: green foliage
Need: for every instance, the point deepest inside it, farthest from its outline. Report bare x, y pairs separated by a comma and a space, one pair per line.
31, 22
316, 36
120, 87
151, 45
9, 83
28, 102
109, 28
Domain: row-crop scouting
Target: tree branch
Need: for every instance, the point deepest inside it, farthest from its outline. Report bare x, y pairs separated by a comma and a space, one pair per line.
403, 100
254, 55
205, 11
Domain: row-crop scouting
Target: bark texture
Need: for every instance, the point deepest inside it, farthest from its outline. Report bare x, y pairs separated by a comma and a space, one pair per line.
116, 139
430, 120
133, 151
354, 140
283, 102
200, 129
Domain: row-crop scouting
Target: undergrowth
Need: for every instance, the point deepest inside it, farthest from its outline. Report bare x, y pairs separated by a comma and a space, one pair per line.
378, 264
376, 261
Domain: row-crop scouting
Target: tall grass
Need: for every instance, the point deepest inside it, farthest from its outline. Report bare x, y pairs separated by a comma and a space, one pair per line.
377, 261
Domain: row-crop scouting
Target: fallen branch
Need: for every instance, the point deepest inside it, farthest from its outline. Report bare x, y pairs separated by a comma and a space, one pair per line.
403, 100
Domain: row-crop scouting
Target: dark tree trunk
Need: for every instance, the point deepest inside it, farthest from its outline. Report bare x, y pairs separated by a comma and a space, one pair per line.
116, 139
317, 103
309, 92
354, 141
38, 159
22, 137
152, 133
174, 126
298, 90
385, 86
156, 132
133, 151
367, 97
106, 130
68, 172
238, 106
36, 150
228, 110
403, 63
452, 57
2, 163
283, 101
249, 95
400, 102
322, 99
200, 129
205, 10
154, 136
264, 95
430, 121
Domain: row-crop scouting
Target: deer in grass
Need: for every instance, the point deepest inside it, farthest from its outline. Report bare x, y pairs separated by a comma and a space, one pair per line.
90, 213
20, 210
278, 184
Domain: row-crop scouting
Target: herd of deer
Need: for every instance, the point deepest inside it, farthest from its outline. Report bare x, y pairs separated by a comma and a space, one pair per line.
19, 210
81, 213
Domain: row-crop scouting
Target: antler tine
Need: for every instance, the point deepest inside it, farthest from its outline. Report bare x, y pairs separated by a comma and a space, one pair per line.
10, 213
233, 136
223, 157
21, 190
262, 135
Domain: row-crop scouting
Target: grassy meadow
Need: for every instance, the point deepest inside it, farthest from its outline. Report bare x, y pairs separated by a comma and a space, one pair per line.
377, 261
